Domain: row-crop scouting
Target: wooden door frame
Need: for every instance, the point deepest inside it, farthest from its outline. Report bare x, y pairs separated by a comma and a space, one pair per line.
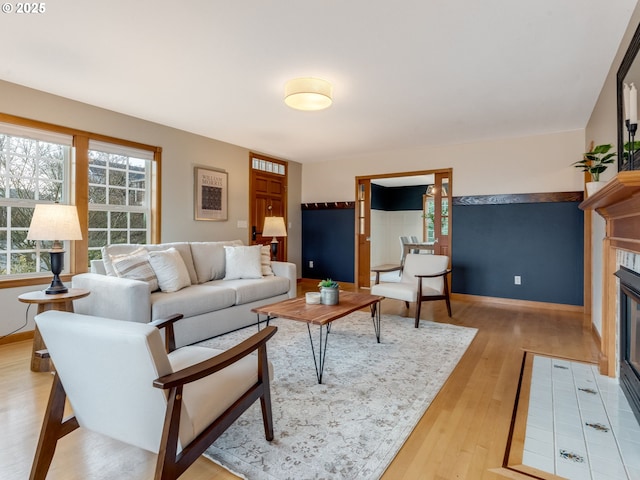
284, 245
358, 179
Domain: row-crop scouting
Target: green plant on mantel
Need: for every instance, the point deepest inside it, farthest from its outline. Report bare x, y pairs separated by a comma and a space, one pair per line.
596, 161
328, 283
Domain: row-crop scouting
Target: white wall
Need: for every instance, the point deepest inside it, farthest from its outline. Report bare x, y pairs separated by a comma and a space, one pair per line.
532, 164
386, 227
181, 152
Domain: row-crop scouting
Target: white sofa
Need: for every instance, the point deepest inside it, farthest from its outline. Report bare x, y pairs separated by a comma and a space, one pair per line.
212, 304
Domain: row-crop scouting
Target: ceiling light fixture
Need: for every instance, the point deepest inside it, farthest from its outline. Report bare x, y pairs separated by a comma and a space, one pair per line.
308, 94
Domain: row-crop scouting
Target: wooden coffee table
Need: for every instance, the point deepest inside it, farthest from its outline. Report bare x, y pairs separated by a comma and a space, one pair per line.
322, 315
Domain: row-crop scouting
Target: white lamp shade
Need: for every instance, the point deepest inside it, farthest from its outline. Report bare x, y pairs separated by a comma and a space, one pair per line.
274, 227
308, 94
54, 222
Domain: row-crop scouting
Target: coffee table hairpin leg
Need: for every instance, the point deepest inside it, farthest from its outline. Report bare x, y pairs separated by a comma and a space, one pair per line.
375, 317
322, 351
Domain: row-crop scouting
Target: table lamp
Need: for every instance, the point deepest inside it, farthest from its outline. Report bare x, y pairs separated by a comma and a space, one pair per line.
55, 222
274, 227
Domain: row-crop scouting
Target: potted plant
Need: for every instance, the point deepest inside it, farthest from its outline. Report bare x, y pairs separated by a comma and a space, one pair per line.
595, 162
329, 292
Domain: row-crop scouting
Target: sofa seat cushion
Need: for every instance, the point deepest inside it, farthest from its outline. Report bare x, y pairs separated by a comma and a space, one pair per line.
249, 290
191, 301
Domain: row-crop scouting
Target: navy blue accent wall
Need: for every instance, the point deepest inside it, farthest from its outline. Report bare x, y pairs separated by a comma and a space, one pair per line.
328, 237
541, 242
397, 198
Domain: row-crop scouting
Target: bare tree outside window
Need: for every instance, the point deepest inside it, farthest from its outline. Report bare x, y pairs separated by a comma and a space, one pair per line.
31, 171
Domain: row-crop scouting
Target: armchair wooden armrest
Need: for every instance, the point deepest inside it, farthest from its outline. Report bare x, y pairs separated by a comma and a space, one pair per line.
203, 369
433, 275
167, 324
385, 268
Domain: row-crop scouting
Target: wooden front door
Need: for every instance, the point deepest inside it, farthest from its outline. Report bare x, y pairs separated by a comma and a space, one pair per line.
268, 197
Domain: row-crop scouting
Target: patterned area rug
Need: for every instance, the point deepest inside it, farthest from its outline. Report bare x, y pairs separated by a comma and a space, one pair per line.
370, 400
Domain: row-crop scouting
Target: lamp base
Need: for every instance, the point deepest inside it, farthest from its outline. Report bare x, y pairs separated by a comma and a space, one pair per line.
57, 261
274, 249
56, 287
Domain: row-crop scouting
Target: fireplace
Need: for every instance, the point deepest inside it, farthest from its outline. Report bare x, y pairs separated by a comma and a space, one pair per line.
630, 336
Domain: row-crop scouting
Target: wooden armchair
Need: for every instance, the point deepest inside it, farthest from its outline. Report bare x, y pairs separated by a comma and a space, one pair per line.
121, 382
423, 279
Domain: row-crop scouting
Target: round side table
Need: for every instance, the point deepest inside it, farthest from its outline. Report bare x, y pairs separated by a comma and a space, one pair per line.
60, 301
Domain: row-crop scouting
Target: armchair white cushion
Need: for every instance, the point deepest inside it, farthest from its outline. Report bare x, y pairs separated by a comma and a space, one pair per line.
121, 382
423, 278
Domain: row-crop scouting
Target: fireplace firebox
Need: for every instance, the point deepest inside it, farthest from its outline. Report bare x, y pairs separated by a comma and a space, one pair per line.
630, 336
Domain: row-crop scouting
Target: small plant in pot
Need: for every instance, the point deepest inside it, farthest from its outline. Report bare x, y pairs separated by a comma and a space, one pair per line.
329, 292
595, 162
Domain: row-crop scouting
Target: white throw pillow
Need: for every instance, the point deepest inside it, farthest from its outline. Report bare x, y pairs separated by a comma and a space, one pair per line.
135, 266
170, 269
265, 260
242, 262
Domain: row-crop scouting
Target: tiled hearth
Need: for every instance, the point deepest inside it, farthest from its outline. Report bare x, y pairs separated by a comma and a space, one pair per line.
579, 423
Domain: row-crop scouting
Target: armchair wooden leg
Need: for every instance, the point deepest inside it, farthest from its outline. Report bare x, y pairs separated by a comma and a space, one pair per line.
446, 295
53, 428
418, 306
448, 305
167, 467
265, 398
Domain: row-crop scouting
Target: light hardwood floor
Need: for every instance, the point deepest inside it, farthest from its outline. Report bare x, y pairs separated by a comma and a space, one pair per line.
463, 434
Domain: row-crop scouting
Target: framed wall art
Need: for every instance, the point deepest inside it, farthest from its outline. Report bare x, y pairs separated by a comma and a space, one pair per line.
210, 194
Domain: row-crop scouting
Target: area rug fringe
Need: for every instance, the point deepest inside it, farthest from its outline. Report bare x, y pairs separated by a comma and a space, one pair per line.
354, 424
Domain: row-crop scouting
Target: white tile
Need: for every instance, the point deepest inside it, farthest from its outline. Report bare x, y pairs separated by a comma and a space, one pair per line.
630, 453
540, 462
569, 429
539, 434
627, 433
608, 465
634, 473
540, 447
573, 407
573, 471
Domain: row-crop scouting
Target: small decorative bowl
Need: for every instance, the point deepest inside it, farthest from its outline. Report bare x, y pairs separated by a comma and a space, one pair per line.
312, 298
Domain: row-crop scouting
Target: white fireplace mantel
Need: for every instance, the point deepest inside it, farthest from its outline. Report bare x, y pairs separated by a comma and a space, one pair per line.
619, 204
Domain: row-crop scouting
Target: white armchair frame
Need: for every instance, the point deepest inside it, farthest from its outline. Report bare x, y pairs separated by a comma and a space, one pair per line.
423, 278
175, 404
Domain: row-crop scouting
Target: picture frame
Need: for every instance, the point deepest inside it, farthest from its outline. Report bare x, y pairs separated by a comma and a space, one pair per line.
210, 194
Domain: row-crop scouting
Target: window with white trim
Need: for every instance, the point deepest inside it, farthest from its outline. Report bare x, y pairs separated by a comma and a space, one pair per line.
119, 195
34, 168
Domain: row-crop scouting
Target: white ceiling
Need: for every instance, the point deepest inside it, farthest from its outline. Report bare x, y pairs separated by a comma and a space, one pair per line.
405, 74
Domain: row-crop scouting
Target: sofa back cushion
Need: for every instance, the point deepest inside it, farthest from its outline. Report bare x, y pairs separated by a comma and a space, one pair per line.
127, 248
209, 259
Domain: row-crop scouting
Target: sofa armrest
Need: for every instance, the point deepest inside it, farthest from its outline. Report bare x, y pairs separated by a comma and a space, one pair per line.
288, 270
113, 297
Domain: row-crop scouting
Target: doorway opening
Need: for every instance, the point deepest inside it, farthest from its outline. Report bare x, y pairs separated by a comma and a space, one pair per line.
389, 207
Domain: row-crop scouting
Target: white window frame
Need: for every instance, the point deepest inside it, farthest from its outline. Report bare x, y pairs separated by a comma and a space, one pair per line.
148, 157
10, 203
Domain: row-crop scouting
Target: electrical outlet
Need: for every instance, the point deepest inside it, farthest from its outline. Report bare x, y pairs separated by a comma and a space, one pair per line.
310, 263
517, 280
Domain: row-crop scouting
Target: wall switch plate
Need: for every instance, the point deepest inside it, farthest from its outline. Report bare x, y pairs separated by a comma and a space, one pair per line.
517, 280
310, 263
